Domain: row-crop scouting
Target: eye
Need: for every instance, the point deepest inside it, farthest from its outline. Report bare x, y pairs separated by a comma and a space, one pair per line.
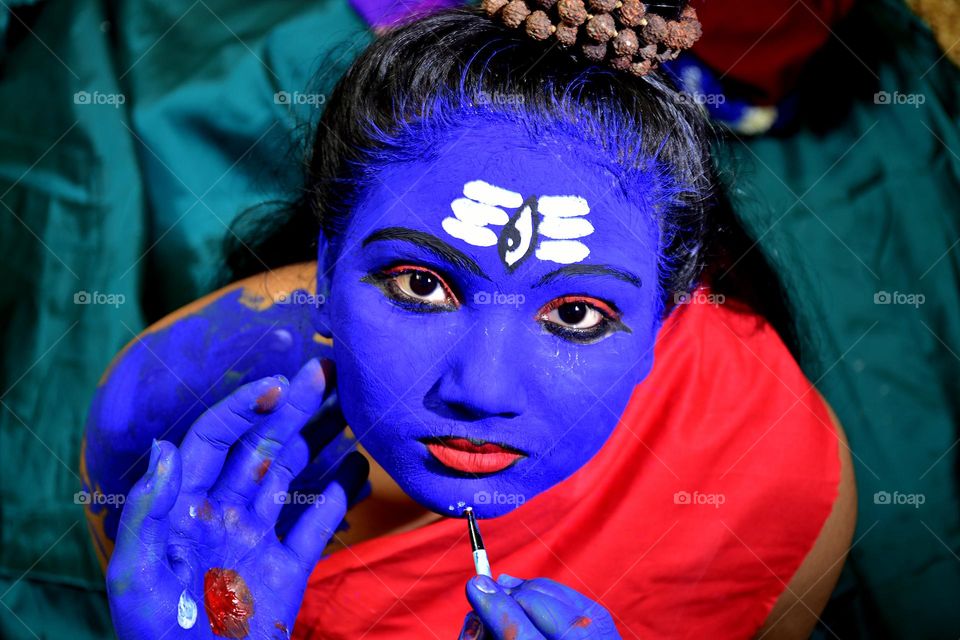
580, 319
415, 287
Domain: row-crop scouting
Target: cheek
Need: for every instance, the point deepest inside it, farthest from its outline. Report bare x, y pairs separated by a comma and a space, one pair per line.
383, 354
584, 402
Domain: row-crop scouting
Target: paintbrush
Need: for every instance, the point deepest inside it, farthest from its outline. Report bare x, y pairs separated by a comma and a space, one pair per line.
480, 560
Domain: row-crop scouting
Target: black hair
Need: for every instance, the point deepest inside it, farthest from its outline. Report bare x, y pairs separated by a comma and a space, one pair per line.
417, 80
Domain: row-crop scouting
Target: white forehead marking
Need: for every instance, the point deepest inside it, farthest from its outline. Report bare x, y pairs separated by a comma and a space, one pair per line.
488, 194
471, 234
565, 228
477, 213
562, 206
561, 222
562, 251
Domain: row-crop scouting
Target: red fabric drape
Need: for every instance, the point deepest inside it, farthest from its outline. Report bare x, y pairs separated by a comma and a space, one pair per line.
687, 524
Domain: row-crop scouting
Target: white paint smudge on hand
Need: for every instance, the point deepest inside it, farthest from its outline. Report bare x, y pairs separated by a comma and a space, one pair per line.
186, 611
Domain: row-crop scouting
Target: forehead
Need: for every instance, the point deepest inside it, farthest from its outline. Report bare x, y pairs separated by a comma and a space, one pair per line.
497, 194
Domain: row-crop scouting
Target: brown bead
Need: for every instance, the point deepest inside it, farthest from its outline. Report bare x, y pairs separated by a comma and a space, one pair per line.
514, 13
538, 25
648, 52
601, 27
546, 5
572, 11
492, 6
626, 43
656, 29
603, 6
621, 63
682, 34
595, 52
641, 68
632, 13
566, 34
668, 54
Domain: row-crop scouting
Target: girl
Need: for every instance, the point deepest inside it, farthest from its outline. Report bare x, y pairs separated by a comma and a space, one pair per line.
509, 239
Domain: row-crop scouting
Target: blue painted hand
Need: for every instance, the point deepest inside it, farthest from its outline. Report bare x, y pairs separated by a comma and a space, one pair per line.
537, 609
198, 550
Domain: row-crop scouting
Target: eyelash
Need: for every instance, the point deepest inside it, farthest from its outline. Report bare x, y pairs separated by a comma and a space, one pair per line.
610, 319
386, 281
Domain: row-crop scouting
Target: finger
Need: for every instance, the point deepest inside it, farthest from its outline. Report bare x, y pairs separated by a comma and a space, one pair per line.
140, 550
502, 616
310, 535
472, 628
286, 506
564, 593
554, 618
204, 448
289, 466
591, 619
251, 457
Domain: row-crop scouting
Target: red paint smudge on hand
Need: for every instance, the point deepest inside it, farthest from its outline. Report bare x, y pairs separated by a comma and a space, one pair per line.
509, 630
228, 602
268, 401
205, 512
262, 469
582, 621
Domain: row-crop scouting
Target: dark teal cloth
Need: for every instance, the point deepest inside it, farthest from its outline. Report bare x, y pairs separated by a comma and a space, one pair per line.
134, 201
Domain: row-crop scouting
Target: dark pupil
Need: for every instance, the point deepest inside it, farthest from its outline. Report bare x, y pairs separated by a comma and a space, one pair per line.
422, 284
572, 312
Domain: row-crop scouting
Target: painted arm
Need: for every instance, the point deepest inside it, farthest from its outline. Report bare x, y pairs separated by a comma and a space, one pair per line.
198, 552
537, 609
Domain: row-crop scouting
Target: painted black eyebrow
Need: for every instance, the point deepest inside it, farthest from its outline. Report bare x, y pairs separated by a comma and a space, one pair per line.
431, 243
589, 270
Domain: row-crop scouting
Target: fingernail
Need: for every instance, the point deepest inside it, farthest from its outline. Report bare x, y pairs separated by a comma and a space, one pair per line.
154, 457
509, 581
485, 584
283, 379
472, 627
269, 395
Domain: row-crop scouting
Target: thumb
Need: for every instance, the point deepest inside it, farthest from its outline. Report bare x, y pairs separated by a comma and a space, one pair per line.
502, 616
472, 628
144, 523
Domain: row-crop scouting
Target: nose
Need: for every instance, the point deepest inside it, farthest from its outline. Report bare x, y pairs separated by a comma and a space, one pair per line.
482, 378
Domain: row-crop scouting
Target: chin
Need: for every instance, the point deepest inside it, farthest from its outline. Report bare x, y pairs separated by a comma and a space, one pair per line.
448, 492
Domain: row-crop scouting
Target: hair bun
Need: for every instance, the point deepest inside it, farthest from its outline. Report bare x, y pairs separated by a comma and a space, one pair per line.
626, 34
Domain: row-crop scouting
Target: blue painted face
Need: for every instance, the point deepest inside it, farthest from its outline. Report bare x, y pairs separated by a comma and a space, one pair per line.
492, 307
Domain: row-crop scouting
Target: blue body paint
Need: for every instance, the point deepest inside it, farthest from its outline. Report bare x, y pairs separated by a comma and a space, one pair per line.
488, 369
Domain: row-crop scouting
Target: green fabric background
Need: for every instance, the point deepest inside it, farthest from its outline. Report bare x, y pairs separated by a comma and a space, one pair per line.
136, 200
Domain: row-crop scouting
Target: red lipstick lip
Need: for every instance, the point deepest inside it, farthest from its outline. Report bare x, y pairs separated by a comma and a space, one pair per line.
472, 456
